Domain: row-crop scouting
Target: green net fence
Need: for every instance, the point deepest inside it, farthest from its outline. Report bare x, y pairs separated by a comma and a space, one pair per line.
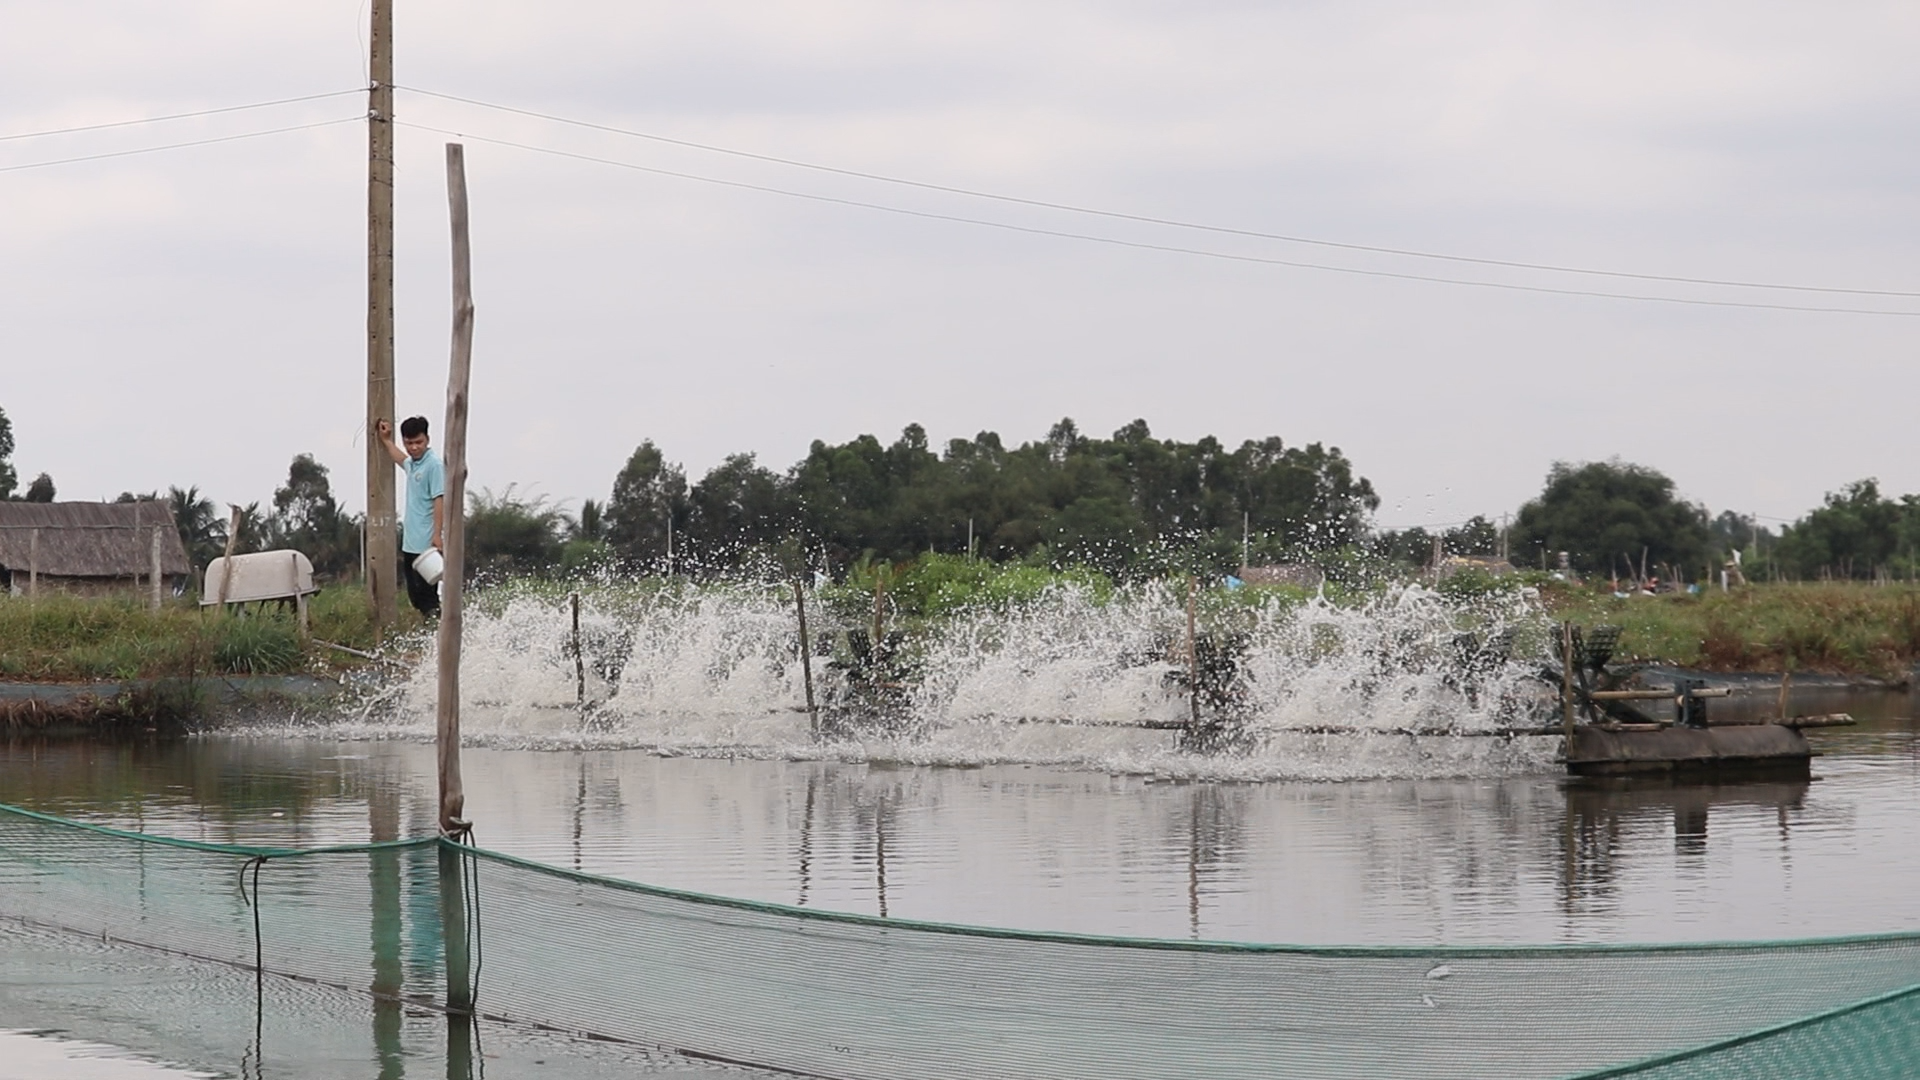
867, 998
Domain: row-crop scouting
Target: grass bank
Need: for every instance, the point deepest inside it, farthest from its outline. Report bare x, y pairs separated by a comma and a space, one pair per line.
1842, 629
74, 639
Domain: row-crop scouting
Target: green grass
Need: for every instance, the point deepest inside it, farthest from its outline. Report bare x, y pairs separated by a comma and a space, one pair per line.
80, 639
1852, 629
1838, 628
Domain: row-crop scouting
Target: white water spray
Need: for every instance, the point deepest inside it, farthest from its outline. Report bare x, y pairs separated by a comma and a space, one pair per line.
1324, 690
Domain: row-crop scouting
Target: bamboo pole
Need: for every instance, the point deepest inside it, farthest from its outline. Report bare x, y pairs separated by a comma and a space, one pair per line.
1193, 651
806, 658
579, 661
453, 902
453, 514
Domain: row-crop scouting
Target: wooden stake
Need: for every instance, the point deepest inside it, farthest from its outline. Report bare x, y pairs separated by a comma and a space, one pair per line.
382, 550
1786, 689
879, 615
1566, 682
579, 661
299, 595
33, 565
226, 563
453, 515
1193, 650
806, 658
153, 566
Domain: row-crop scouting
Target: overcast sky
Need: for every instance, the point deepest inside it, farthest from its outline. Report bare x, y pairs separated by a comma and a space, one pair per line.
196, 316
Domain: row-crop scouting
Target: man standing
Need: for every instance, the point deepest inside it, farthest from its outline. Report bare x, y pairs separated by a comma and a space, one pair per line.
426, 492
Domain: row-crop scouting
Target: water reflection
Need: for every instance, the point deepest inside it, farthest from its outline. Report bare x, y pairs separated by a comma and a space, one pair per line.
1609, 818
1517, 859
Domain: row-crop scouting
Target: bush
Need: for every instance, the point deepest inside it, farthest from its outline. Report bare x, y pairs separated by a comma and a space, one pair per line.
257, 646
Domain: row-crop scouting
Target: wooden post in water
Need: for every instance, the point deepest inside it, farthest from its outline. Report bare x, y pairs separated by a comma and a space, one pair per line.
1566, 682
806, 657
1786, 689
579, 661
453, 893
1193, 651
153, 565
453, 516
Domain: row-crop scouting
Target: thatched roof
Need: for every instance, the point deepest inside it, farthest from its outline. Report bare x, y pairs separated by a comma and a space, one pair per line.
90, 539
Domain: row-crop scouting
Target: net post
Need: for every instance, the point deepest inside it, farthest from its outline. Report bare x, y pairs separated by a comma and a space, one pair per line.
453, 929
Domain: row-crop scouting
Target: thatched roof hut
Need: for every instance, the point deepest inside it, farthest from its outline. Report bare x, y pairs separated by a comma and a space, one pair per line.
88, 547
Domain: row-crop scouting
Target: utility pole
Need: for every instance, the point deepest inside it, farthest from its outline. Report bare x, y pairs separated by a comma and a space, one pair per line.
382, 548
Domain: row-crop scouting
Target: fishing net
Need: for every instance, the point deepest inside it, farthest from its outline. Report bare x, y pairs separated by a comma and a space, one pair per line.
860, 997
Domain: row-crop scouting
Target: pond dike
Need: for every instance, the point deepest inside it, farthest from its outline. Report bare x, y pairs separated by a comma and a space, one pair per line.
148, 706
1755, 681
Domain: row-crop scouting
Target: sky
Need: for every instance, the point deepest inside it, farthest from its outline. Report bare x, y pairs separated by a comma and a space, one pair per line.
197, 315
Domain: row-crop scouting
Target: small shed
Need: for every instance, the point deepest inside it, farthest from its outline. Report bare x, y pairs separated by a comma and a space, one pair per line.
1491, 565
1302, 575
91, 548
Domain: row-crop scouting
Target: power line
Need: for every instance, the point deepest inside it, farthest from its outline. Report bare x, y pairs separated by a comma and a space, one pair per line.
1140, 245
181, 116
1148, 219
181, 145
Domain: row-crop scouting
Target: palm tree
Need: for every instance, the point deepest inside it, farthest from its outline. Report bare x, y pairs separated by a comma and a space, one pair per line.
201, 531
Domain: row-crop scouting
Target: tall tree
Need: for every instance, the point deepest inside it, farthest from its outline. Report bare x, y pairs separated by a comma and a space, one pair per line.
306, 518
1606, 511
736, 508
649, 500
1856, 534
510, 533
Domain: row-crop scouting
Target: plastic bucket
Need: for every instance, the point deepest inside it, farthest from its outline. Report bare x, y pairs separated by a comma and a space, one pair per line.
429, 565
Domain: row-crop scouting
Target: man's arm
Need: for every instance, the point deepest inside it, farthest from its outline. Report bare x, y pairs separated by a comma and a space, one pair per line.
439, 503
384, 430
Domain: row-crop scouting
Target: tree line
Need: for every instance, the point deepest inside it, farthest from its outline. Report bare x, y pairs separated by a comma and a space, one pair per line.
1129, 504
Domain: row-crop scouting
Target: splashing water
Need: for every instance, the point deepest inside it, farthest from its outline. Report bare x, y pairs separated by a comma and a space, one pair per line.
1320, 690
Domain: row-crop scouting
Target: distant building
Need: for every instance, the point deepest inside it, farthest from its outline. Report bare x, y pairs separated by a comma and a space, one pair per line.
1450, 565
1298, 574
89, 548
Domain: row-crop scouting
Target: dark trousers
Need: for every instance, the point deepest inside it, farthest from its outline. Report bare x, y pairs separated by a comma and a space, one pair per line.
425, 597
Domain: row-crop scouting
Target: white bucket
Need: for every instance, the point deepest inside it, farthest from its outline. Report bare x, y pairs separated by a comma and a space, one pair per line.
429, 565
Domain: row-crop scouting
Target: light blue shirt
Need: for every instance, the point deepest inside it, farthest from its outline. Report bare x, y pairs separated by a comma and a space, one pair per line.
426, 481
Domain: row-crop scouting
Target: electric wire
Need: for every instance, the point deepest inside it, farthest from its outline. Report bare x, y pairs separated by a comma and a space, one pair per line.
1144, 246
1146, 218
181, 116
180, 145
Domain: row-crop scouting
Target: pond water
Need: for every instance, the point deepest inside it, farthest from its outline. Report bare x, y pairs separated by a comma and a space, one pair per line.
1514, 856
